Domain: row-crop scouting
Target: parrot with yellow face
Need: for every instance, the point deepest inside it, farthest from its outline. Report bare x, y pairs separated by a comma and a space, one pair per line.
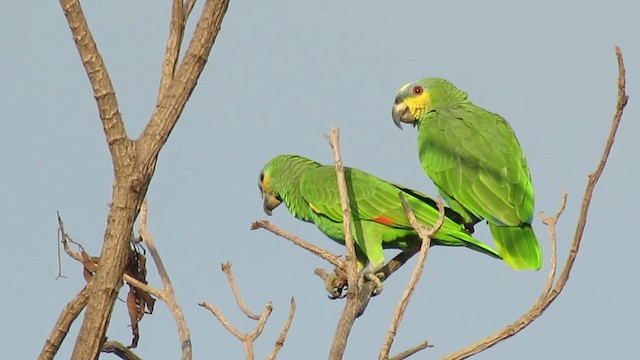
474, 159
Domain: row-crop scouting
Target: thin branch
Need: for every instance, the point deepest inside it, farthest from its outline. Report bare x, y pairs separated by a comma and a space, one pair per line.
283, 334
167, 295
316, 250
351, 308
249, 338
61, 328
188, 6
405, 354
176, 34
119, 350
425, 236
226, 268
552, 223
546, 298
59, 242
223, 320
175, 97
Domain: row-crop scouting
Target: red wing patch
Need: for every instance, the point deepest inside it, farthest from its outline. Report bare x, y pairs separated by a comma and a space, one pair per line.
384, 220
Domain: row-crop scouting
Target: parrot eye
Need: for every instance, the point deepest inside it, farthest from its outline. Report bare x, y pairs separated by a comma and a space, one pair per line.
417, 90
261, 177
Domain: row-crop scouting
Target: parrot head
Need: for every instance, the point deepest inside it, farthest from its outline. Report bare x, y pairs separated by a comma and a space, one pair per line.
270, 198
418, 98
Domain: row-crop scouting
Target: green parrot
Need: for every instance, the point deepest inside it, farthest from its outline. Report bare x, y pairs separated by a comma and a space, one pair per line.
475, 161
310, 192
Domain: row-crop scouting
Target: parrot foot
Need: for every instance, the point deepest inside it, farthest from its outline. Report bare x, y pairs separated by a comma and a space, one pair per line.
375, 278
336, 285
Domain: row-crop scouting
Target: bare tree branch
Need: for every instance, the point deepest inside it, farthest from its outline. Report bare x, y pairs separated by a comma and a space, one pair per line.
173, 101
226, 268
61, 328
548, 296
120, 350
248, 338
350, 311
174, 42
134, 162
95, 68
316, 250
283, 334
425, 236
405, 354
188, 6
167, 295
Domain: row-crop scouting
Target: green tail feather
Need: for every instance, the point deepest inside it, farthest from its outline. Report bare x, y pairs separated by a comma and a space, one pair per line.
518, 246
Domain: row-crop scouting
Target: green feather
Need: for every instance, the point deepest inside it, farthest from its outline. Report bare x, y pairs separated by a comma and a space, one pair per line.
518, 246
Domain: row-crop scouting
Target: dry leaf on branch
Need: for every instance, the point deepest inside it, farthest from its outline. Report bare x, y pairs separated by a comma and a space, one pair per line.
139, 301
89, 265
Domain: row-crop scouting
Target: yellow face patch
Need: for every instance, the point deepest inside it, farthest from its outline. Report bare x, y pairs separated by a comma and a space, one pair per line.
265, 183
417, 103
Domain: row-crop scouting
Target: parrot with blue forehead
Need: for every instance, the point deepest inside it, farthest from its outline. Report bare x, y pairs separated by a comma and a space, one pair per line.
310, 192
474, 159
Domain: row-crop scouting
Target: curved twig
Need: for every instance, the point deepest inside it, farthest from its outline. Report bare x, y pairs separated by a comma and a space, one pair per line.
226, 268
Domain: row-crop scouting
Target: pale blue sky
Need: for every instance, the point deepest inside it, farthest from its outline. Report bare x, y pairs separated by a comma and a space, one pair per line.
281, 74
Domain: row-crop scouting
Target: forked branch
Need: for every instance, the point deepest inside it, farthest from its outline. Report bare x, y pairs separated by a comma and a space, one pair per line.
248, 339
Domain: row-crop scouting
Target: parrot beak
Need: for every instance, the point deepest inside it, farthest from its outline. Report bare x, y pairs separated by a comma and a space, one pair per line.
401, 114
270, 202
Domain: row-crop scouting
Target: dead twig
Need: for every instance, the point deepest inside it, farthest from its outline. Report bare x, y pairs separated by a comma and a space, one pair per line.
550, 293
226, 268
405, 354
316, 250
248, 339
425, 236
120, 350
283, 334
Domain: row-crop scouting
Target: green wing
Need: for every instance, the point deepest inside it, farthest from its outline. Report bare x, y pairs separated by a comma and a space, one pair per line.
474, 158
371, 198
376, 200
376, 204
477, 164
